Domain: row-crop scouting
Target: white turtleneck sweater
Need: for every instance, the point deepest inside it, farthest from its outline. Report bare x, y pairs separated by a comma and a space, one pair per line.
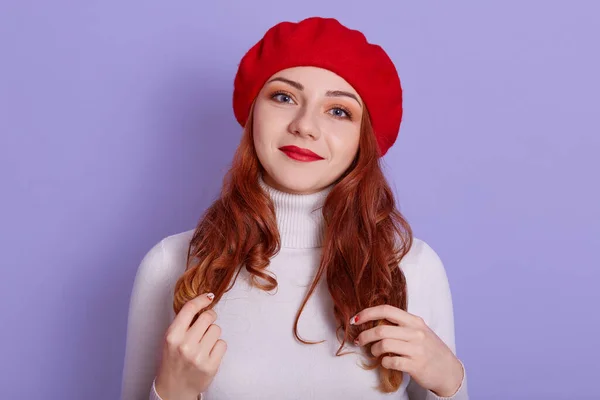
263, 359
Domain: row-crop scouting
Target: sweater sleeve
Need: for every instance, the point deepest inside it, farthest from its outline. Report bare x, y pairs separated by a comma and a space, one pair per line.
154, 395
147, 321
435, 286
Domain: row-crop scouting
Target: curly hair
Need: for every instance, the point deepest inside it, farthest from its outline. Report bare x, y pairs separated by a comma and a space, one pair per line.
365, 239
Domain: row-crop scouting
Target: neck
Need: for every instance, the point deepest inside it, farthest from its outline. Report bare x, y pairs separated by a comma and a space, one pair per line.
299, 216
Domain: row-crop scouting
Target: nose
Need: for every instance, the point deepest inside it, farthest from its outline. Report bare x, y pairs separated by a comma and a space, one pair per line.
304, 124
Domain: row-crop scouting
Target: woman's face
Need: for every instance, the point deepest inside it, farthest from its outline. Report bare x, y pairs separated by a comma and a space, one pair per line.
310, 108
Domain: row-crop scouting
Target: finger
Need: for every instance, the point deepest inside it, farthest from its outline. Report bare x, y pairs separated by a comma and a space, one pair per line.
397, 363
217, 352
385, 332
198, 329
395, 346
183, 319
213, 333
385, 311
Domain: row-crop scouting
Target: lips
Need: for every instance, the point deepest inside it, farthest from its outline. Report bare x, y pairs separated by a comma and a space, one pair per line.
300, 154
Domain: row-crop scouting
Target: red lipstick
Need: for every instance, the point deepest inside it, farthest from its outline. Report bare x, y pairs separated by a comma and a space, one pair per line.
300, 154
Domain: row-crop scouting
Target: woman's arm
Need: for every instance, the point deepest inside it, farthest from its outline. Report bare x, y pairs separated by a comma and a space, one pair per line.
434, 286
147, 322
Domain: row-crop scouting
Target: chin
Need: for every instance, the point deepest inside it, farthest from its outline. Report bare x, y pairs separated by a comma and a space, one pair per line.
294, 183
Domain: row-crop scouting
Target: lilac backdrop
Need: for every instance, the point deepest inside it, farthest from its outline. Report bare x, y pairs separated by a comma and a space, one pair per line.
116, 129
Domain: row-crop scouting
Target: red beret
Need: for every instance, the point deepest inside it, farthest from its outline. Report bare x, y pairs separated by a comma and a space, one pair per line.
325, 43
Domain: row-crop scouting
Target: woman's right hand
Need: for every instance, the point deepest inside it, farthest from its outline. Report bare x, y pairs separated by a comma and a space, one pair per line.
191, 354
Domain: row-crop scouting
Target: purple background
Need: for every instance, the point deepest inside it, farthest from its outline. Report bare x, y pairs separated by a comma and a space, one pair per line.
116, 129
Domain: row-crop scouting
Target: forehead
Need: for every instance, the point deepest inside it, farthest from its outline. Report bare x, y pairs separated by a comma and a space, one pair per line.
315, 79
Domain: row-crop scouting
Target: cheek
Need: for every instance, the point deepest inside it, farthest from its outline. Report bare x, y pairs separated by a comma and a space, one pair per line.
260, 139
259, 129
344, 145
268, 122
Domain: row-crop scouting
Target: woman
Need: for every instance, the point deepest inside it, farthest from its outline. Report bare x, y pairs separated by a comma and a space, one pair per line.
303, 242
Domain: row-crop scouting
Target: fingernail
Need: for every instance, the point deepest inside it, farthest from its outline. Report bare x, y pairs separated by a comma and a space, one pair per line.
356, 342
210, 296
354, 320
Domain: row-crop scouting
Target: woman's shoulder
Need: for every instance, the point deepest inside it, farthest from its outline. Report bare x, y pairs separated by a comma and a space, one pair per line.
176, 246
421, 256
166, 260
423, 267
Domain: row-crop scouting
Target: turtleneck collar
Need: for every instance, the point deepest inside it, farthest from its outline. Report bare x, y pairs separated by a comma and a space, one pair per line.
299, 216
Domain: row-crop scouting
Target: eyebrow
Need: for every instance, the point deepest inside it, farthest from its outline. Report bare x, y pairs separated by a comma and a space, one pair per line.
329, 93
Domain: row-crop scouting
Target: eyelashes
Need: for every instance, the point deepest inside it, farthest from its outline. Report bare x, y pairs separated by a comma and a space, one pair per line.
344, 109
282, 93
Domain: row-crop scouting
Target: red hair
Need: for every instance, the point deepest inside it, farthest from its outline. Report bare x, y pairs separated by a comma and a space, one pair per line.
365, 239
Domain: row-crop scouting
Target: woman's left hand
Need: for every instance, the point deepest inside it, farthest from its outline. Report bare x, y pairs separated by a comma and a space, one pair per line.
418, 350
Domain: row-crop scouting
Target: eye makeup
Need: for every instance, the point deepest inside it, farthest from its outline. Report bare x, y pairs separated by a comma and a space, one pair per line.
349, 114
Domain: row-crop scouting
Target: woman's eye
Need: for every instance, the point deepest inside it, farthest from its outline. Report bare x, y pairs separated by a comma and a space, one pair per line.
282, 98
340, 113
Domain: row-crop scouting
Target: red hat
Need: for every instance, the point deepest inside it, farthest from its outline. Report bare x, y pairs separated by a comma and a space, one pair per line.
325, 43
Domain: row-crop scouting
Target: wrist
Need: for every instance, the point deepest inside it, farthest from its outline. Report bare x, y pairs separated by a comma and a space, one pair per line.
173, 392
454, 381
